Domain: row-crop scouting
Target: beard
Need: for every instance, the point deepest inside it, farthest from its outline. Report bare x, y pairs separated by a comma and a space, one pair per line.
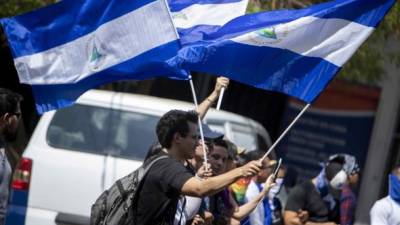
9, 134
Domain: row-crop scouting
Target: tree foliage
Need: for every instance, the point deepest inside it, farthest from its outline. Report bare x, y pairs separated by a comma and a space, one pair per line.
15, 7
368, 63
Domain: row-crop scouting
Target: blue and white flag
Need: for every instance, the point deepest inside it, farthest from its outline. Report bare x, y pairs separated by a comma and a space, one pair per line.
69, 47
195, 19
296, 52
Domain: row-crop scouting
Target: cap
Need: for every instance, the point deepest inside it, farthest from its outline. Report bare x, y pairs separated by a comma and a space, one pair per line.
210, 134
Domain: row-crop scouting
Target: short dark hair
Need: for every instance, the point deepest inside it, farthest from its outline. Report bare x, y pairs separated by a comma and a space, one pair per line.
220, 142
8, 101
174, 121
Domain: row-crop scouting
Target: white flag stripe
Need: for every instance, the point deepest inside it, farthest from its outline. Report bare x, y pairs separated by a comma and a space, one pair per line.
112, 43
208, 14
334, 40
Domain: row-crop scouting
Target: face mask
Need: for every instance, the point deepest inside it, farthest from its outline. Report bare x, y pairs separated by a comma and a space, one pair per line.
275, 189
394, 188
338, 180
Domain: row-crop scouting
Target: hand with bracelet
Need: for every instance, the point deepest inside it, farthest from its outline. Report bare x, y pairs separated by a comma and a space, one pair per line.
221, 82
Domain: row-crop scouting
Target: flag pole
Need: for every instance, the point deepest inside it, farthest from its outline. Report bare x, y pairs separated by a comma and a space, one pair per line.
198, 119
284, 133
221, 95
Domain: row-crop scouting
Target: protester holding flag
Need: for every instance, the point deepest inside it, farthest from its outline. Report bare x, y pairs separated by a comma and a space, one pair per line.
386, 211
222, 204
261, 215
168, 178
189, 207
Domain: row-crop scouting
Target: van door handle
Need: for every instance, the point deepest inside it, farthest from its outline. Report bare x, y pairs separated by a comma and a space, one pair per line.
71, 219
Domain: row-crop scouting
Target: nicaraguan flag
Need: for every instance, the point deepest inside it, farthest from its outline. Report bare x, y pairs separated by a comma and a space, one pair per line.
296, 52
195, 19
69, 47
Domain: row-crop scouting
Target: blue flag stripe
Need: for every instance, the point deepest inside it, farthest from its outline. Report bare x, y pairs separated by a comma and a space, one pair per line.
178, 5
49, 97
366, 12
62, 22
289, 72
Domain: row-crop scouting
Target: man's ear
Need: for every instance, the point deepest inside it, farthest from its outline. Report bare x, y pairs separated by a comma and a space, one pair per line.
7, 118
4, 119
177, 137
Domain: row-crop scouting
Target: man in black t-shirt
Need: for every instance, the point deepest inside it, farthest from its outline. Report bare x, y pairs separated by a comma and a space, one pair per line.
168, 178
311, 202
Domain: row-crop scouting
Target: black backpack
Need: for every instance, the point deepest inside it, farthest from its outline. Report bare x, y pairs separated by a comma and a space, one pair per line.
114, 206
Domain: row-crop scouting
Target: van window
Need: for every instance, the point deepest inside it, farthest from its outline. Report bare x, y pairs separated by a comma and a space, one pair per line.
241, 134
102, 131
134, 133
80, 128
244, 139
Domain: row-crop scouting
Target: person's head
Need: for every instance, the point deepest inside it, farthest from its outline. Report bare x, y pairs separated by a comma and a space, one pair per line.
396, 171
177, 130
350, 167
267, 166
335, 174
10, 113
233, 155
209, 136
218, 156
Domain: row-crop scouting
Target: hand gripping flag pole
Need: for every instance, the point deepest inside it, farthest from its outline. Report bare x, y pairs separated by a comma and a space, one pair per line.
198, 119
285, 132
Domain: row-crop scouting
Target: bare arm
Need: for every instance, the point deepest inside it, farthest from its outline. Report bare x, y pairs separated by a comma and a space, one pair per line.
293, 218
201, 188
247, 208
213, 97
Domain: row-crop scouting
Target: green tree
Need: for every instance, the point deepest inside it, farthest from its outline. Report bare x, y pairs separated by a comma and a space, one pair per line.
367, 64
15, 7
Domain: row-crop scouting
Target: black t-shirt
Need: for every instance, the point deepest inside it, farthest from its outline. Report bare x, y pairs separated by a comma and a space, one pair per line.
160, 192
306, 197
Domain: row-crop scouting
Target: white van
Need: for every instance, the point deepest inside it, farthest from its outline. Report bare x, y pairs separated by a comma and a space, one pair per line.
77, 152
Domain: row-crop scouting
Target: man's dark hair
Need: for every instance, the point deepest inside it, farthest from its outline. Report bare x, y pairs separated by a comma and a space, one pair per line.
8, 101
174, 121
219, 142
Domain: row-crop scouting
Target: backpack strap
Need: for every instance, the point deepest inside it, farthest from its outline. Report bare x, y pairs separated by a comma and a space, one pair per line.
121, 189
145, 168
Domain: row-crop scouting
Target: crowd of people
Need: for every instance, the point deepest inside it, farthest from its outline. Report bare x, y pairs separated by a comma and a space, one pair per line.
225, 184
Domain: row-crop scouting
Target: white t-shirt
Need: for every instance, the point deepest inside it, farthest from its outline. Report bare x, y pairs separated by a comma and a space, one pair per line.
5, 175
257, 216
385, 212
186, 209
